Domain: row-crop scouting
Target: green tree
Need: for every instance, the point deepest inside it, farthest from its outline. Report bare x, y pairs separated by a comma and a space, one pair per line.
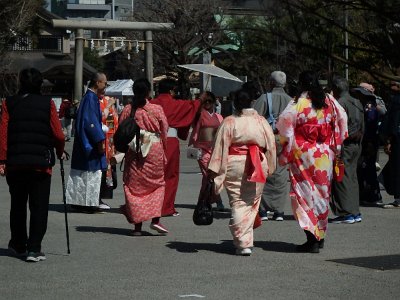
93, 59
309, 34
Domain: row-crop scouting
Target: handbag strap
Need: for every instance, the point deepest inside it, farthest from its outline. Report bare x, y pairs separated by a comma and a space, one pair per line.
333, 106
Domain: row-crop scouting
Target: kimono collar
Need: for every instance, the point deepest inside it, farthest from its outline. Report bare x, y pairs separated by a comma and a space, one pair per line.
249, 112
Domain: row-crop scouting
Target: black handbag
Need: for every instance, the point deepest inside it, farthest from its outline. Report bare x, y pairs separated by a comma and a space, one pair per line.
125, 133
203, 214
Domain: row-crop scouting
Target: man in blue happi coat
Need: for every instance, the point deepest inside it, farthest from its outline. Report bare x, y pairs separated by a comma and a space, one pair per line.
88, 155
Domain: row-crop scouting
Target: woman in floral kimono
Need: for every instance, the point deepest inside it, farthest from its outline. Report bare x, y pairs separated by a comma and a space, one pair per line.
203, 135
110, 125
244, 155
307, 128
143, 177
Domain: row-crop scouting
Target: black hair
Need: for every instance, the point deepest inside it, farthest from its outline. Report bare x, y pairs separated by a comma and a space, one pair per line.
242, 100
166, 85
210, 96
141, 89
251, 89
308, 82
30, 81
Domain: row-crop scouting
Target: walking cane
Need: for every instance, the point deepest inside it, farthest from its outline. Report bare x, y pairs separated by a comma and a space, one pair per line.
64, 199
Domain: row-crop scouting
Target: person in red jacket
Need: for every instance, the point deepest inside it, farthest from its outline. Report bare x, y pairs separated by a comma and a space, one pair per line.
65, 117
180, 116
29, 132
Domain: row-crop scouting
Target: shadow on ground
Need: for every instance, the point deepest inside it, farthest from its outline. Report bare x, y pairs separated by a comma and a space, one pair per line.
225, 247
6, 252
275, 246
60, 208
111, 230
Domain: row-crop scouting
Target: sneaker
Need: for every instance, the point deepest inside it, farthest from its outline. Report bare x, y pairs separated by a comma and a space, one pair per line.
263, 215
158, 227
394, 204
176, 214
278, 216
14, 251
349, 219
35, 256
357, 218
243, 252
103, 205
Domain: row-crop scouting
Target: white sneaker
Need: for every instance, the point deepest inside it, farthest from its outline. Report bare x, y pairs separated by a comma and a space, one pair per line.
243, 252
158, 227
103, 205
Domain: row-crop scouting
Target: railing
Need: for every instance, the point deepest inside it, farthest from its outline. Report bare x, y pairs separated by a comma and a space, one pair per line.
42, 43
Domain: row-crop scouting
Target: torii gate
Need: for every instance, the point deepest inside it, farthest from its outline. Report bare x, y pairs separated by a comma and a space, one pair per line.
79, 25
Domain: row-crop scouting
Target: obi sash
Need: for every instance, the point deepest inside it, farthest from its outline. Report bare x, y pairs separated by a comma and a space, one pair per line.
313, 133
255, 172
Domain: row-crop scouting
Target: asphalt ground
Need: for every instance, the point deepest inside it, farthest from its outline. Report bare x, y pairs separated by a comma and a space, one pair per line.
359, 261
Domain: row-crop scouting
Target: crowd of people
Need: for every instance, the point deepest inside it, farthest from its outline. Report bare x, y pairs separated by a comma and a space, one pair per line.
274, 148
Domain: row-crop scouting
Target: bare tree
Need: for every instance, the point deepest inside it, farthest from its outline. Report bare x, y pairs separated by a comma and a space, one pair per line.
373, 28
16, 20
197, 29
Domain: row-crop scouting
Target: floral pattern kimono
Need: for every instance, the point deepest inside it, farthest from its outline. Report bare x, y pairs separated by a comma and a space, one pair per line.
306, 135
244, 181
143, 178
111, 121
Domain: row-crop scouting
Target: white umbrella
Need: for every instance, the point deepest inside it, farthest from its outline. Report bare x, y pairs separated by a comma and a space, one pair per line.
211, 70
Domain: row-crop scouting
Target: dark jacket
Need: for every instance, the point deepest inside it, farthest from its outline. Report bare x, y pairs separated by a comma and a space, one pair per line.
29, 141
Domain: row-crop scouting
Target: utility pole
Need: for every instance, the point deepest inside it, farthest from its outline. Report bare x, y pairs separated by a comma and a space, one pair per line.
113, 10
346, 41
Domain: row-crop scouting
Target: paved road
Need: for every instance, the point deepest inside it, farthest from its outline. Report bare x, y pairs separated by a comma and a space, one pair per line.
199, 262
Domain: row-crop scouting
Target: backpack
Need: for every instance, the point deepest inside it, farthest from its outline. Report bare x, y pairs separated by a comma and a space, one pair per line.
271, 118
125, 133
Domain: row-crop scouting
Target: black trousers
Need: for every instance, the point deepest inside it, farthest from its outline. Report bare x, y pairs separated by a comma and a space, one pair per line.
34, 186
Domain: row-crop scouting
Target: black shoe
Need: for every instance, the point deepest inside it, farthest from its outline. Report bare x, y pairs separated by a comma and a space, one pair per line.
309, 247
263, 215
278, 216
16, 251
321, 243
87, 209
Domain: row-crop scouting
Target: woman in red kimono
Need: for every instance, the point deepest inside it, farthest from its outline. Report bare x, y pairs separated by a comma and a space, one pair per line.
109, 119
203, 135
143, 178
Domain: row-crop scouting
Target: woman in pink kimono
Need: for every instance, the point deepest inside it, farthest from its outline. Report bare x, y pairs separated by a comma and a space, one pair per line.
307, 128
203, 136
143, 177
244, 155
